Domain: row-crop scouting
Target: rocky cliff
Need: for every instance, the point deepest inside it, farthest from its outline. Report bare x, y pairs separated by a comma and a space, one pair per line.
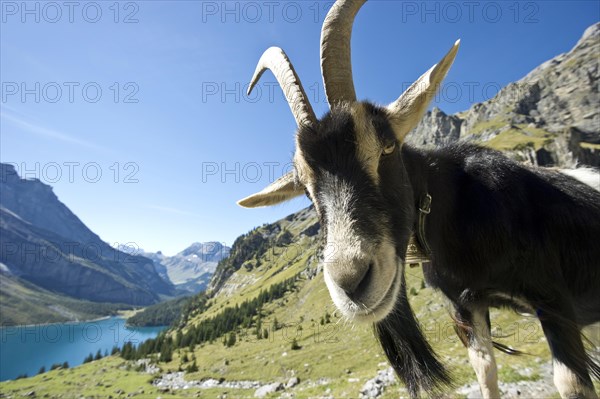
43, 242
550, 117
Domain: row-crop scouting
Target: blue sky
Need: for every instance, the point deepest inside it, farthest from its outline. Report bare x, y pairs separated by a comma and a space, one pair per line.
135, 112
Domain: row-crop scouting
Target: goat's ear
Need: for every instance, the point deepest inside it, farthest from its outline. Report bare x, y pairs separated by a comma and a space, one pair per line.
408, 109
282, 189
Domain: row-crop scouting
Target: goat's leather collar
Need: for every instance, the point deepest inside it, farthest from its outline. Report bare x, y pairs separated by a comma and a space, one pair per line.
418, 250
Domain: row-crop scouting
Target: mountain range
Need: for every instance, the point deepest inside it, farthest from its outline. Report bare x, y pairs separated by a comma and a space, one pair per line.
191, 269
54, 268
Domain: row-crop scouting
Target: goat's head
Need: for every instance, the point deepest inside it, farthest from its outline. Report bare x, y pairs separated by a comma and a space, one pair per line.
350, 165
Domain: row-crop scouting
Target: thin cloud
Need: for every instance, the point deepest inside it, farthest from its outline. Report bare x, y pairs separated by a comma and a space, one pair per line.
45, 132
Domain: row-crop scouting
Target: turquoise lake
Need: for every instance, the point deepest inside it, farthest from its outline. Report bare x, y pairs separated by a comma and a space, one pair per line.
24, 349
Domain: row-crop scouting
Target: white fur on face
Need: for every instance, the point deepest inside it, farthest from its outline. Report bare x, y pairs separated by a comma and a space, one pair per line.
338, 199
589, 176
347, 256
360, 311
368, 148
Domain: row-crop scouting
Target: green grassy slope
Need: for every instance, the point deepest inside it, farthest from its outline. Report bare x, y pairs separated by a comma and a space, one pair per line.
24, 303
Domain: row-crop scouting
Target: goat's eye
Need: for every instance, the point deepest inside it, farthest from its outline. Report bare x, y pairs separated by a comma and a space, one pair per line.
388, 149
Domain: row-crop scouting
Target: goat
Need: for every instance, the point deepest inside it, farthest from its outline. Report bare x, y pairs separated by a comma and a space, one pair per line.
497, 233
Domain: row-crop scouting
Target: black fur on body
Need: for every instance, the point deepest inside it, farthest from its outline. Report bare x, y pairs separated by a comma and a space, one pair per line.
499, 230
501, 234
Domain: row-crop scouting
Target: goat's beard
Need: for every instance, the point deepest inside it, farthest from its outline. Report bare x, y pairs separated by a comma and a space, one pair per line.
409, 353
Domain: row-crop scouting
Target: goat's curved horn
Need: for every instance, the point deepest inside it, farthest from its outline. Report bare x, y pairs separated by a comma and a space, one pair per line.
278, 62
407, 110
336, 63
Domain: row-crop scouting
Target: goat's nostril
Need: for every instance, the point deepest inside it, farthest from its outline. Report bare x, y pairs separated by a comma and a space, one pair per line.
362, 282
366, 279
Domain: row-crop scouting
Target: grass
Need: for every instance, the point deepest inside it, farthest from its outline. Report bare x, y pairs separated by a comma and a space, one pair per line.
520, 137
512, 137
590, 146
22, 303
98, 379
510, 374
481, 127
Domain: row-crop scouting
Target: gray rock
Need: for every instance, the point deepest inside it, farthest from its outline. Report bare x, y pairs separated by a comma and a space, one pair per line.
210, 383
436, 129
268, 389
374, 387
292, 382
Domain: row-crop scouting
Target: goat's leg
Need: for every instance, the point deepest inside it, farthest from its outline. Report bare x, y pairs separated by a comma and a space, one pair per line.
569, 385
568, 353
474, 330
